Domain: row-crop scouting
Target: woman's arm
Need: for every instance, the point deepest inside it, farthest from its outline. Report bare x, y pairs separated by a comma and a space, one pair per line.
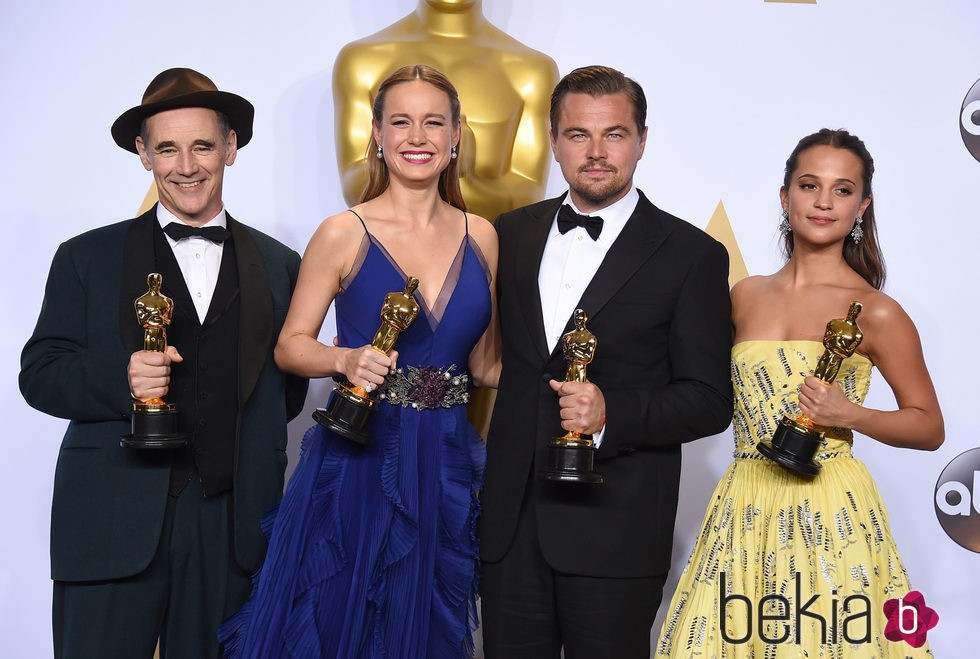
892, 342
328, 258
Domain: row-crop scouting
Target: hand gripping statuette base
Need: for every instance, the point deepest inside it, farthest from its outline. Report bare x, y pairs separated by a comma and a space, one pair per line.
795, 442
154, 421
350, 407
571, 457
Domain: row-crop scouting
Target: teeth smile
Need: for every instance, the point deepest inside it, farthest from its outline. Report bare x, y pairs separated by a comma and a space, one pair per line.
189, 185
418, 156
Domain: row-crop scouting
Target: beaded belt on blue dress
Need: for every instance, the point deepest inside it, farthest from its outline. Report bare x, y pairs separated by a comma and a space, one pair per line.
425, 388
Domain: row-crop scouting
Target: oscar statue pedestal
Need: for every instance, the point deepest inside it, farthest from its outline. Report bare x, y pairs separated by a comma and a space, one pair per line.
793, 446
154, 426
571, 459
347, 413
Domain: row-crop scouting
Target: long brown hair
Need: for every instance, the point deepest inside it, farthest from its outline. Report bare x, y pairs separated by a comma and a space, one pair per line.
864, 257
378, 179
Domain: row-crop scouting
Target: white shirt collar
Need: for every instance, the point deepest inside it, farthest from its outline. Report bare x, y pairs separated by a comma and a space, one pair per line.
614, 216
165, 217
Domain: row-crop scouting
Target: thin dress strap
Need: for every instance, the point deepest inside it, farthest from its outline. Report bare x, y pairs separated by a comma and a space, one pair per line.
361, 219
475, 246
361, 255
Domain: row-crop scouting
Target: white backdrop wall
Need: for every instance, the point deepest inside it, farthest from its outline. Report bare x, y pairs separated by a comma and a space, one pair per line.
732, 86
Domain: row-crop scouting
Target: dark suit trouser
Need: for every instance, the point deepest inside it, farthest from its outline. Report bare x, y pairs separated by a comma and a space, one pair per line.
191, 585
531, 611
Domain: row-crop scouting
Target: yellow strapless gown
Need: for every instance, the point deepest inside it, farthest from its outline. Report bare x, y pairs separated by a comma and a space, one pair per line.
774, 539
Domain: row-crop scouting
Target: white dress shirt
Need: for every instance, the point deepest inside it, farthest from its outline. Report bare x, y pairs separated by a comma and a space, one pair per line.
571, 260
199, 259
569, 263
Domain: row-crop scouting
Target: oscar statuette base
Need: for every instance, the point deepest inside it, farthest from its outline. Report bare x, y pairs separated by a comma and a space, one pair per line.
571, 461
153, 427
347, 414
792, 447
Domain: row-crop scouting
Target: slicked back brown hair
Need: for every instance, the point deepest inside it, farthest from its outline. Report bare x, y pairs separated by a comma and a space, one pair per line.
599, 81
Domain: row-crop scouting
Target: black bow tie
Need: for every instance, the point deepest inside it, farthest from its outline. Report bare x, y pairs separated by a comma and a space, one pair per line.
569, 219
215, 234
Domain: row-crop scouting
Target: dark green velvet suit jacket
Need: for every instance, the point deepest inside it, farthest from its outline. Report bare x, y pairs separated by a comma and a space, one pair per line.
109, 502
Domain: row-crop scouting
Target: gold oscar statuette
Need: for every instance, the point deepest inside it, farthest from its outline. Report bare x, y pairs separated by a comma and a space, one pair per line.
795, 441
350, 407
154, 421
571, 457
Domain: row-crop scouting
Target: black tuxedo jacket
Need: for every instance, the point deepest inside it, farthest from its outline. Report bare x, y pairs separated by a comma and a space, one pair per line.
109, 502
659, 306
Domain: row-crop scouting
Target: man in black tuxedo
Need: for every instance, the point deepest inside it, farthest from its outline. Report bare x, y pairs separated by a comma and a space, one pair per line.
582, 566
151, 544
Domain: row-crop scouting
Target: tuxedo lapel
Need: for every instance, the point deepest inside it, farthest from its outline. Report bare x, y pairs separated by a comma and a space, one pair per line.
255, 320
530, 249
226, 287
138, 261
640, 238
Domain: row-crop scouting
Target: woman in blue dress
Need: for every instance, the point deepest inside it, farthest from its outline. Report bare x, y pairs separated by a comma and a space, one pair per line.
373, 550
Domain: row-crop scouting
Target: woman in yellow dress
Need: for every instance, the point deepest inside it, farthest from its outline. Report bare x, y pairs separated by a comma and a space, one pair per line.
784, 565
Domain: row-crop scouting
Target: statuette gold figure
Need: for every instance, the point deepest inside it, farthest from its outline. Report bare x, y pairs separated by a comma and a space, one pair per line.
350, 407
154, 421
795, 442
571, 456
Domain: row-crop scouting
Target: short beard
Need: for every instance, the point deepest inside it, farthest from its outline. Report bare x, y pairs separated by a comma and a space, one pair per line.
600, 196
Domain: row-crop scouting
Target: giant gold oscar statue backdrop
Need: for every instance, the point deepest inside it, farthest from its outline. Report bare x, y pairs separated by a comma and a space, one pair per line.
505, 93
504, 89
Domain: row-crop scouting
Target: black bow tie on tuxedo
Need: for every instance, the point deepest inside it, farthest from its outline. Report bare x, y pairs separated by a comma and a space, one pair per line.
569, 219
215, 234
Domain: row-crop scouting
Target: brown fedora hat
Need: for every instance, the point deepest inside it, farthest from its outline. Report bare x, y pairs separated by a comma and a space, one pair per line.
183, 88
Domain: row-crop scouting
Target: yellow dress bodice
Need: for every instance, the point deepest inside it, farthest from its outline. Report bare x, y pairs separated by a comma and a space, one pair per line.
766, 377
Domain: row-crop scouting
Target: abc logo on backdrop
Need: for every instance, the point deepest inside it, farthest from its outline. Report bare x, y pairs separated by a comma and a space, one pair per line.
958, 499
970, 120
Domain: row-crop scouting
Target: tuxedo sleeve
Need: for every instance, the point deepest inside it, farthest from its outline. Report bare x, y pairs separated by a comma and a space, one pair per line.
697, 400
65, 372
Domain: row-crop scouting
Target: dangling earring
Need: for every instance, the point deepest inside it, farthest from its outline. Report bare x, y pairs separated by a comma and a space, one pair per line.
857, 233
784, 227
453, 154
380, 154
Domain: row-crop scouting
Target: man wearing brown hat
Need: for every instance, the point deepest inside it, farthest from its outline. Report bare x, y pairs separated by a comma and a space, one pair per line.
150, 543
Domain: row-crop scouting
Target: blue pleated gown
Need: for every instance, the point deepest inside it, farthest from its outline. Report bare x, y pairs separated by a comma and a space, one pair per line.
373, 550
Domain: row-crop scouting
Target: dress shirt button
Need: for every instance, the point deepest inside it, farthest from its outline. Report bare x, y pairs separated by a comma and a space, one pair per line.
204, 395
202, 422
